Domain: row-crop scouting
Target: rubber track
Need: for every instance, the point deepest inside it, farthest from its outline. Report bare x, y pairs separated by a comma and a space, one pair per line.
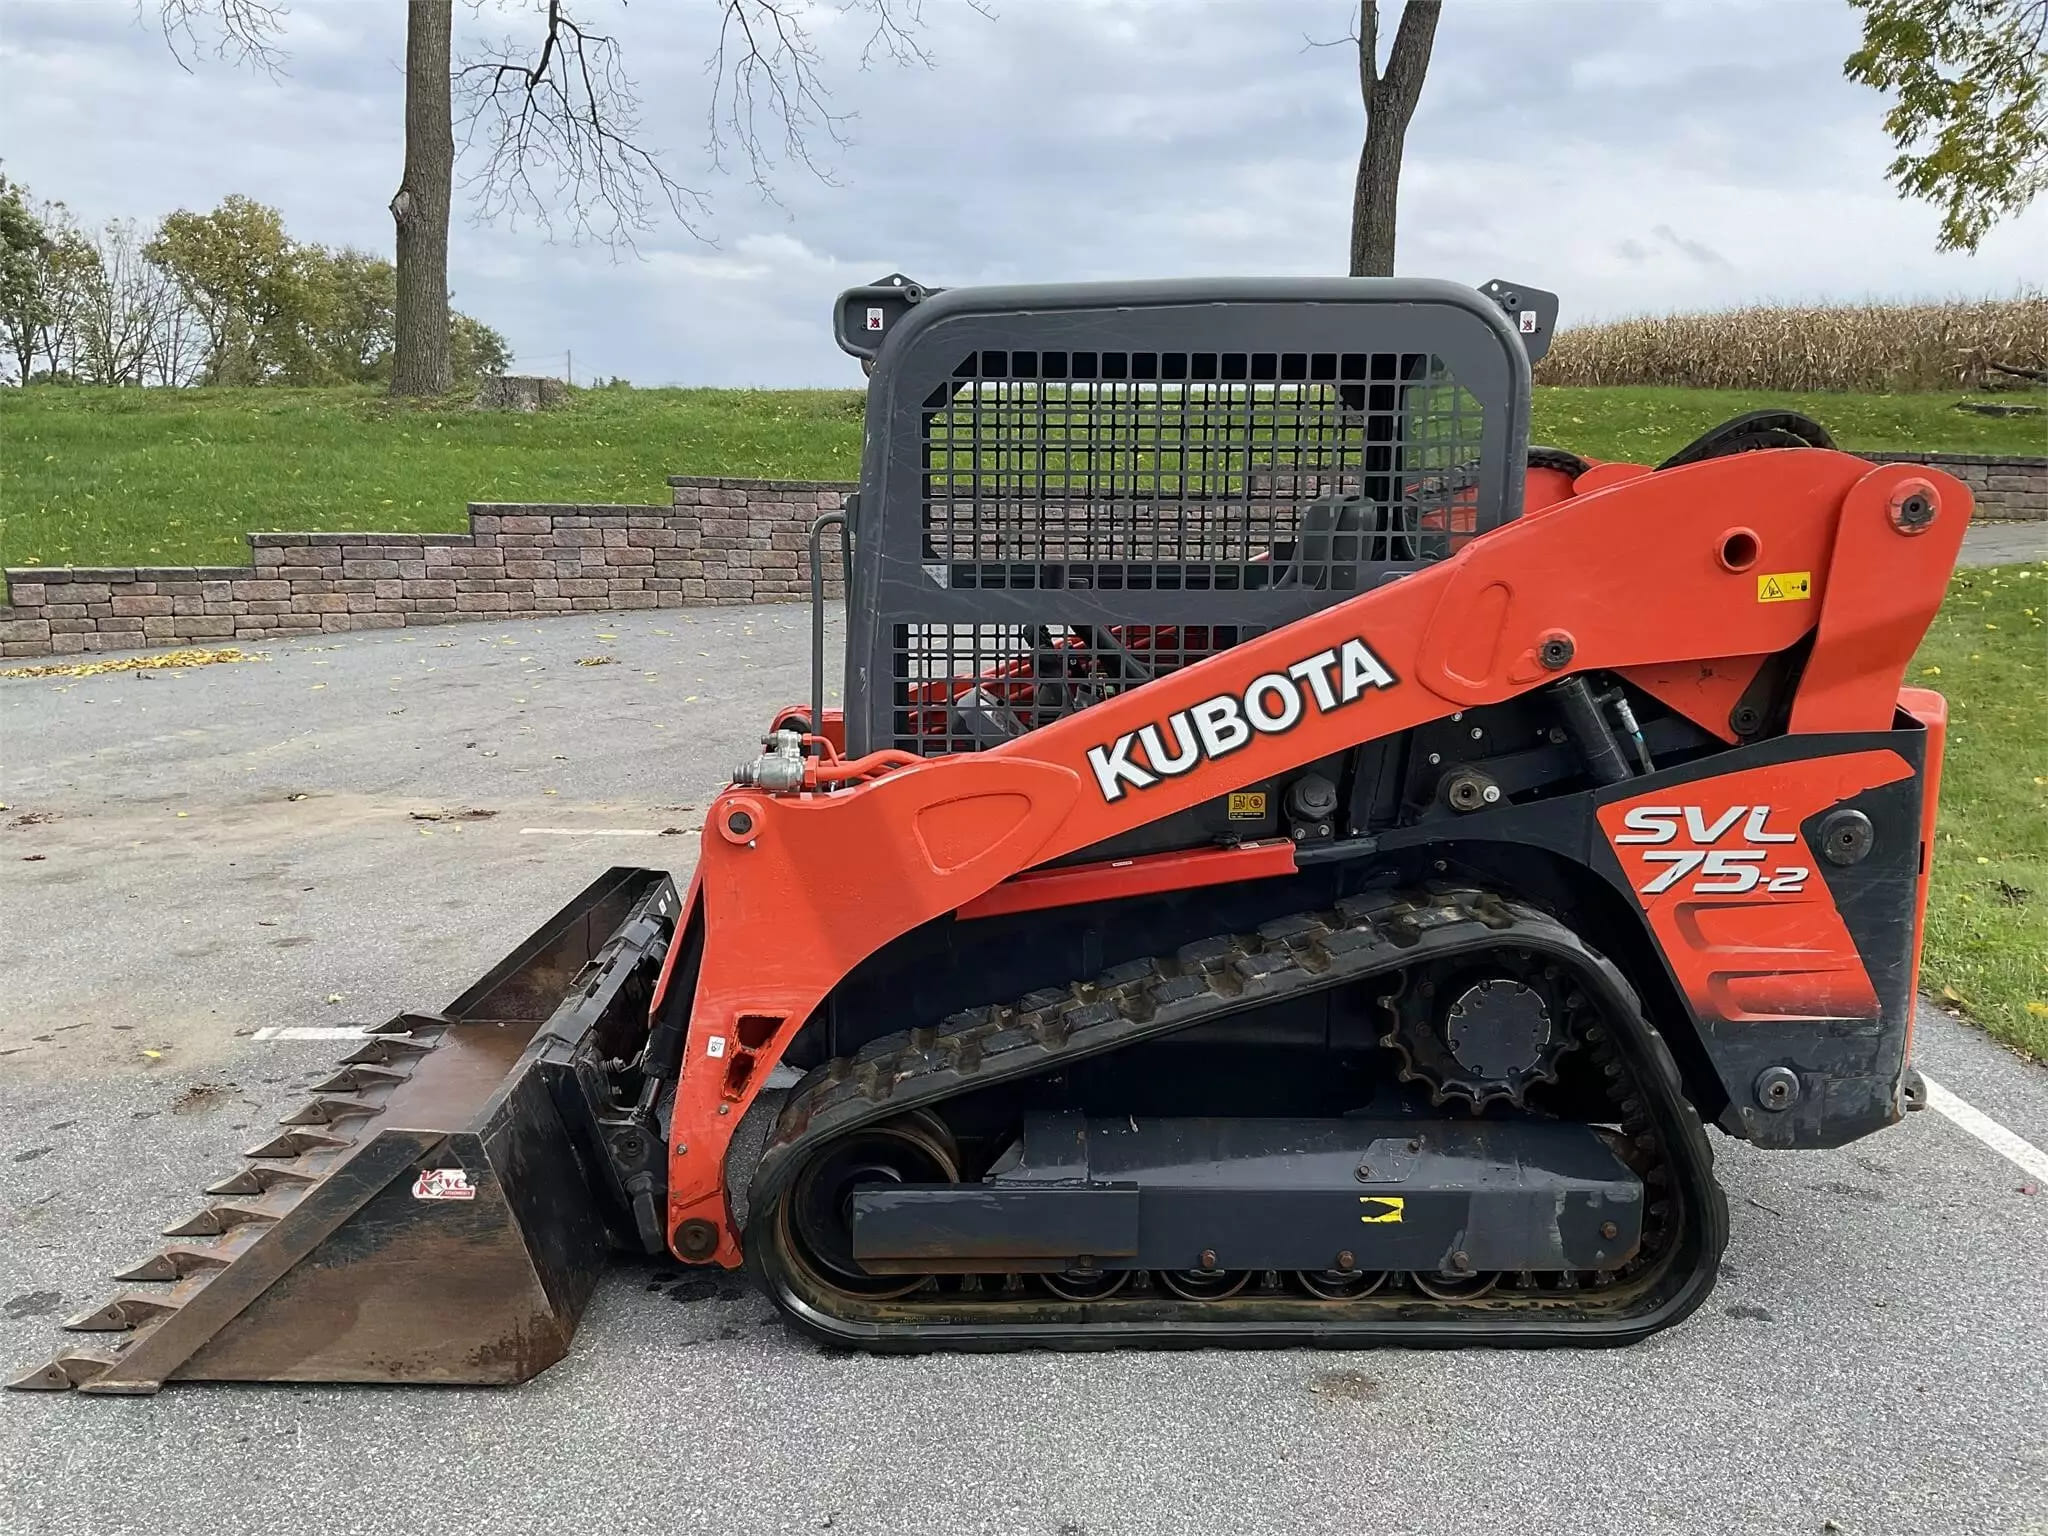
1293, 956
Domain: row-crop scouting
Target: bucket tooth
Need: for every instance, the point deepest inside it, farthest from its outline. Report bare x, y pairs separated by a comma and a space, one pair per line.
357, 1078
325, 1110
178, 1261
172, 1264
260, 1179
387, 1050
290, 1144
409, 1023
126, 1311
219, 1218
71, 1369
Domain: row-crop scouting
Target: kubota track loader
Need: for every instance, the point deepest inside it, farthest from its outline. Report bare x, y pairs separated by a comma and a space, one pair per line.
1295, 865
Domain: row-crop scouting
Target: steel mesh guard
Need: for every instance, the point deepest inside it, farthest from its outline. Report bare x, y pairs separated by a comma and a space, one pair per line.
1058, 525
1194, 471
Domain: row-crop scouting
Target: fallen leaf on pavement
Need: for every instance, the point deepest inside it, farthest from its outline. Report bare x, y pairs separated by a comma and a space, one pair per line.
163, 659
596, 661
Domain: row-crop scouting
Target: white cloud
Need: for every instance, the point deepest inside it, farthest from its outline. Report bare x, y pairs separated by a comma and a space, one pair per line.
1634, 155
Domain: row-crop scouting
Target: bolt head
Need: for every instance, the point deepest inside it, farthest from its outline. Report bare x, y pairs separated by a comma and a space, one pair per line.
696, 1240
1913, 511
1208, 1258
1347, 1260
1777, 1088
1490, 794
1609, 1229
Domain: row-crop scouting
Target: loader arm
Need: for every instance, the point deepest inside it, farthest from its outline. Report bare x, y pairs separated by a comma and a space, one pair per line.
1716, 563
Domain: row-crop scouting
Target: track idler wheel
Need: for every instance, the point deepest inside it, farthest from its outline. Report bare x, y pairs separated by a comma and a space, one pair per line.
817, 1216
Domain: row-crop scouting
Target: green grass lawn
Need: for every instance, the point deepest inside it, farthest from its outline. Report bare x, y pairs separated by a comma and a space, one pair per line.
1987, 915
136, 477
105, 477
140, 477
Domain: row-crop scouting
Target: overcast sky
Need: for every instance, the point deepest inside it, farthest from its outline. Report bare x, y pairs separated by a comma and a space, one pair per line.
1633, 155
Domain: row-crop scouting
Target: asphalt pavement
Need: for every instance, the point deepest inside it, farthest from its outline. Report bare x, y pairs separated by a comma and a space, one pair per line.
188, 857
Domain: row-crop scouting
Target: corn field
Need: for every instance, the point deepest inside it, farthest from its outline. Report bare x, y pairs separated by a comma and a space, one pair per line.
1860, 347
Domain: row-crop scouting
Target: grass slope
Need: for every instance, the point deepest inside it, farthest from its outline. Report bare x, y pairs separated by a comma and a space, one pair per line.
176, 477
1987, 914
93, 477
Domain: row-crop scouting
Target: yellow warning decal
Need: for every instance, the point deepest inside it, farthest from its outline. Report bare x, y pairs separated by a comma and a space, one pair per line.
1785, 587
1248, 806
1390, 1207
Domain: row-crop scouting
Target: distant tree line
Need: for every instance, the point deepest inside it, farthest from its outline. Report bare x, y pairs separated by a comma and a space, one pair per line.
225, 297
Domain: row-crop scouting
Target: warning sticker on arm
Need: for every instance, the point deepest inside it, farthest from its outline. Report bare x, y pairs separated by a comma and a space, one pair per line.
1784, 587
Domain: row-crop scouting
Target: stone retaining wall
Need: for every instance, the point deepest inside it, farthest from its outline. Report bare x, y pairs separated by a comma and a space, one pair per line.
718, 541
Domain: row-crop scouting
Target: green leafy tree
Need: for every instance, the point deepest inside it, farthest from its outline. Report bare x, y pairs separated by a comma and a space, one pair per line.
49, 277
475, 350
240, 273
24, 246
1970, 118
352, 296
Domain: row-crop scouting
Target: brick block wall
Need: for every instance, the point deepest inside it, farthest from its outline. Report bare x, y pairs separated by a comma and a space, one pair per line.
718, 541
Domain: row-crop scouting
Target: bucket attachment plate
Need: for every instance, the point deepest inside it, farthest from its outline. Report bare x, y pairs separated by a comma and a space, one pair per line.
441, 1209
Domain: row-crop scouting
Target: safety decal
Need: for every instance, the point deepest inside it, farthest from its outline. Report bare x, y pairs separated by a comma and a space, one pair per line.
1248, 806
1391, 1208
1271, 704
1527, 320
1784, 587
443, 1184
715, 1046
874, 317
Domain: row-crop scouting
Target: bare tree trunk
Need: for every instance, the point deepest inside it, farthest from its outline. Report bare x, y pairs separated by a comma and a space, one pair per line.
420, 323
1389, 103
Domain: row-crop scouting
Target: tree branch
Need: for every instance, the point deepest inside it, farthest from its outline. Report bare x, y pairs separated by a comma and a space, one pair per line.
248, 30
559, 128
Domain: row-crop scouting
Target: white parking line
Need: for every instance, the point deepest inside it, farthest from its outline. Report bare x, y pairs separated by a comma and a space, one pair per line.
589, 832
2007, 1144
313, 1032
